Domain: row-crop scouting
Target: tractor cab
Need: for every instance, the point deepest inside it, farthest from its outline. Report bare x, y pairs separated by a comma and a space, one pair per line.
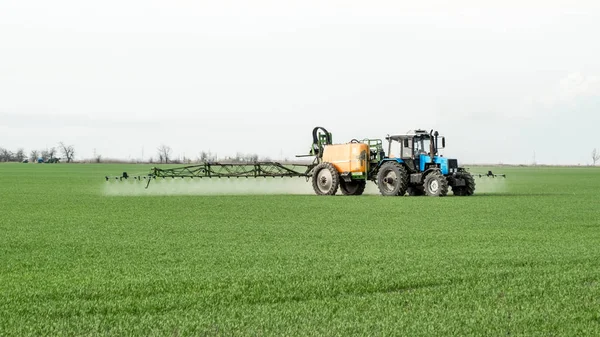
414, 144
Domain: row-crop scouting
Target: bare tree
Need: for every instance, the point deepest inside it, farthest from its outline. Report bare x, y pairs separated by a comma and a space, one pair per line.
44, 154
48, 154
203, 157
164, 153
68, 151
206, 157
20, 155
34, 155
97, 157
595, 156
5, 154
51, 153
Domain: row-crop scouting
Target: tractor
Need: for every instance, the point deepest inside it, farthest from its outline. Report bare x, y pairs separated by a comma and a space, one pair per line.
412, 166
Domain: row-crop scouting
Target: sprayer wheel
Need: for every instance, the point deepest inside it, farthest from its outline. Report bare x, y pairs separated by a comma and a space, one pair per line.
392, 179
435, 184
325, 179
468, 188
355, 187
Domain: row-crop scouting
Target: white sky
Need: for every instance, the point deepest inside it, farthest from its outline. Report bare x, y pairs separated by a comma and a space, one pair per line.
500, 81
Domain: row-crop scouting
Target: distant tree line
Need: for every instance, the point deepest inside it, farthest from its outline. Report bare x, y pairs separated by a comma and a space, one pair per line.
67, 151
239, 157
164, 155
7, 155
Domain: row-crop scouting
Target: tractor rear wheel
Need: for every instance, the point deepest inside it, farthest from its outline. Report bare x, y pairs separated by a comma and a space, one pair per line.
468, 188
355, 187
325, 179
435, 184
392, 179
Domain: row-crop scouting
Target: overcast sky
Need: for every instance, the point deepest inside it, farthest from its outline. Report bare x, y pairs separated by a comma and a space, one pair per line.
122, 77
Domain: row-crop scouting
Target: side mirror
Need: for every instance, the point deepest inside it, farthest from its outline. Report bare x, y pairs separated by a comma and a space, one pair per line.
443, 142
406, 142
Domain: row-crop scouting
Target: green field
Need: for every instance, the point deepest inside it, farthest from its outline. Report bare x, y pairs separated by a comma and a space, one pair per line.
77, 258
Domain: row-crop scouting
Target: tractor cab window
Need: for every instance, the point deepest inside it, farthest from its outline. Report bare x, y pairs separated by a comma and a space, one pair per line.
395, 149
406, 147
421, 145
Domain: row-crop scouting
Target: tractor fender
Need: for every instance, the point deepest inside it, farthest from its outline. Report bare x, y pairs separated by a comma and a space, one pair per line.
425, 173
418, 178
375, 169
383, 161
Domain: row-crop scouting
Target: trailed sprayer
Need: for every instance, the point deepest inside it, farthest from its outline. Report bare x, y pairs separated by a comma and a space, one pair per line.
412, 165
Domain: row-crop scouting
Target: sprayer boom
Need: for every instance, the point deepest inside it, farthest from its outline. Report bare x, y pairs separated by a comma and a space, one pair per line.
489, 174
225, 170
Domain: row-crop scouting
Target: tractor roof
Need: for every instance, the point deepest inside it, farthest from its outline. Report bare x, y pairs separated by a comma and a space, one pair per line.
411, 133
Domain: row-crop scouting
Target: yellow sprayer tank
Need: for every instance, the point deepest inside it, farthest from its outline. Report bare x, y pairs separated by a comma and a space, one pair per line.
351, 157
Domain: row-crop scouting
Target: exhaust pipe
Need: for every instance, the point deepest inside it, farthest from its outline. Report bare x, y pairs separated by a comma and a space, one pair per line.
431, 145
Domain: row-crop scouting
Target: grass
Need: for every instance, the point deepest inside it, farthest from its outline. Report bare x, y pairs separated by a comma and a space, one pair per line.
75, 261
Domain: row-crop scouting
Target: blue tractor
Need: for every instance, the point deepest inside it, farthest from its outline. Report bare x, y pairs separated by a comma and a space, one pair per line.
413, 166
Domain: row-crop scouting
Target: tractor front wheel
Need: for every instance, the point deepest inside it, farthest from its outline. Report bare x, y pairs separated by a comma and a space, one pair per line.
435, 184
325, 179
355, 187
468, 188
392, 179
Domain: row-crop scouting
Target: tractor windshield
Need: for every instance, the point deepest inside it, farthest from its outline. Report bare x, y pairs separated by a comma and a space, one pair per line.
409, 146
421, 145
